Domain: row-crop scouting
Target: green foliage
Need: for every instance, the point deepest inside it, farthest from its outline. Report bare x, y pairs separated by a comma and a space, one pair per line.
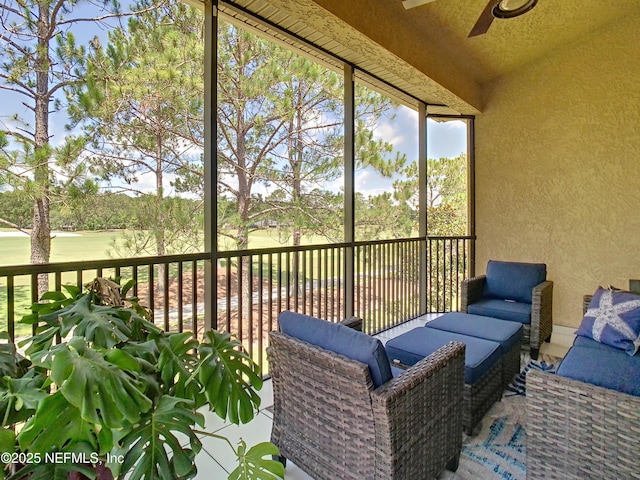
103, 380
149, 121
226, 378
280, 125
447, 196
15, 207
40, 59
254, 465
152, 450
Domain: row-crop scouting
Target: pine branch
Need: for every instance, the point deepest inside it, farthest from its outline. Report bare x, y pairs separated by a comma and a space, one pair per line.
13, 225
7, 39
62, 84
107, 17
21, 137
54, 14
29, 92
15, 11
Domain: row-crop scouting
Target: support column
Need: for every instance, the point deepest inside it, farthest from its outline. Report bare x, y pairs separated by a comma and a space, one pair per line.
210, 165
422, 203
349, 189
471, 194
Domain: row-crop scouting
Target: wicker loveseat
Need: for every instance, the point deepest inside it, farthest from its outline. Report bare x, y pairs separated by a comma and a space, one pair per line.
333, 422
513, 291
576, 428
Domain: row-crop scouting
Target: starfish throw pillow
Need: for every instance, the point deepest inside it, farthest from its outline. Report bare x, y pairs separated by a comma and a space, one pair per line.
613, 318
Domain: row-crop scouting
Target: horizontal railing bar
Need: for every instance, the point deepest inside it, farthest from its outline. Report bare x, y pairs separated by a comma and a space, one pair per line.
453, 237
306, 248
16, 270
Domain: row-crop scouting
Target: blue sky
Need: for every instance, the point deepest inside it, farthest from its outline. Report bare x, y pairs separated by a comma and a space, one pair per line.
444, 139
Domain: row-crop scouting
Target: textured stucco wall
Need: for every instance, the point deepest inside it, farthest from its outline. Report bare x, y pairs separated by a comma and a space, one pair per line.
558, 167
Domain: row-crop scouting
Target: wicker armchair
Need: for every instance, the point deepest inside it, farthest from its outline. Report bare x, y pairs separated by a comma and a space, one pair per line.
330, 421
538, 330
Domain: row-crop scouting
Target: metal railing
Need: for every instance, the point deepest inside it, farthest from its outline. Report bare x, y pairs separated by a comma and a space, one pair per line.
171, 286
449, 261
253, 286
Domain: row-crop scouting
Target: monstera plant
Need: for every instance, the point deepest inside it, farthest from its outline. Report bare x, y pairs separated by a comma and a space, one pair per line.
100, 392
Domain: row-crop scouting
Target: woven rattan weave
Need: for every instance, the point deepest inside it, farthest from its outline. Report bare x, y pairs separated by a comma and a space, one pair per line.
331, 422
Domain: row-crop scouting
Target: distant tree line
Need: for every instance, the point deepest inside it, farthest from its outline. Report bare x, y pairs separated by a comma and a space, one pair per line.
97, 212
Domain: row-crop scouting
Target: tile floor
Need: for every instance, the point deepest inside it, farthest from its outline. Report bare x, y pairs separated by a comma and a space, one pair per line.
216, 460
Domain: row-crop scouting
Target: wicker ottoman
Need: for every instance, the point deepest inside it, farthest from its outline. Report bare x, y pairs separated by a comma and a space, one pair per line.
482, 370
508, 334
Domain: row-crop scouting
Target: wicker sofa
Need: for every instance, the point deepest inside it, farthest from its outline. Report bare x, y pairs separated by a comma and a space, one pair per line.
332, 421
578, 430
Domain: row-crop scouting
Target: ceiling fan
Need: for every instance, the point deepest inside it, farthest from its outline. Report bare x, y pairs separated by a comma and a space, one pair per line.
494, 9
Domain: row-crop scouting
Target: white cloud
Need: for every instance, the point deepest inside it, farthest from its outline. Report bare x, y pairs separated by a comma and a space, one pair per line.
336, 185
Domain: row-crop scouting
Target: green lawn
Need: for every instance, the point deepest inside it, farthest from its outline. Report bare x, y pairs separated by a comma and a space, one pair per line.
95, 245
81, 246
85, 246
15, 250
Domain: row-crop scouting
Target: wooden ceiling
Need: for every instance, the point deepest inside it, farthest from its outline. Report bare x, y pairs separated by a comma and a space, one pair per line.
426, 50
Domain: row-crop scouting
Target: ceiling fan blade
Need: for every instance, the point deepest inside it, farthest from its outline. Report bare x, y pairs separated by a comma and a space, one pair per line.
415, 3
485, 20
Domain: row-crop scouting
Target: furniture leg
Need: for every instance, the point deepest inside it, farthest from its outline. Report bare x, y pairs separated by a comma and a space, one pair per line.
452, 466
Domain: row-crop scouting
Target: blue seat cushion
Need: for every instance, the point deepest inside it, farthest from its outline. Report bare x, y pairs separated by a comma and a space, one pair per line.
416, 344
611, 368
507, 334
339, 339
513, 280
512, 311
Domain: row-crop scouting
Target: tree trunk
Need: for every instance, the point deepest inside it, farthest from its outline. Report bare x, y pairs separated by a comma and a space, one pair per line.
159, 231
244, 207
295, 161
41, 228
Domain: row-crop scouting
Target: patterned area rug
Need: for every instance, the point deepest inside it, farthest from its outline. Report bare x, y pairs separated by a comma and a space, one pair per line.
498, 452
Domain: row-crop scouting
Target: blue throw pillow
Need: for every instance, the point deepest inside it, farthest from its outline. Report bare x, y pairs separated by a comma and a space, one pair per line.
613, 318
339, 339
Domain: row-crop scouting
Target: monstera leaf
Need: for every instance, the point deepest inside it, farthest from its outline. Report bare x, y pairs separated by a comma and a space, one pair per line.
176, 362
152, 451
98, 385
19, 397
56, 425
7, 444
254, 465
52, 471
45, 317
229, 377
120, 385
54, 301
104, 325
12, 364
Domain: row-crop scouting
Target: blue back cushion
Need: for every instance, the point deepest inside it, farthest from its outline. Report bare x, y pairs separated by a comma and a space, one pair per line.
339, 339
513, 280
613, 318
